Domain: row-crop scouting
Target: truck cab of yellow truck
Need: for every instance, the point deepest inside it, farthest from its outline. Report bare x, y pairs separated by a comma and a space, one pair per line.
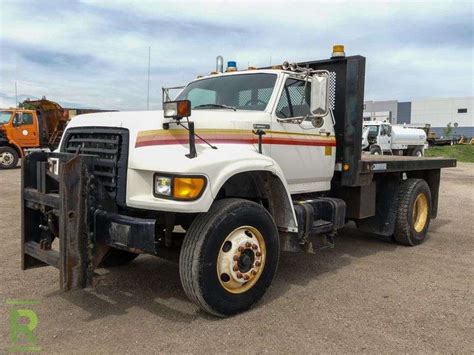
18, 131
38, 124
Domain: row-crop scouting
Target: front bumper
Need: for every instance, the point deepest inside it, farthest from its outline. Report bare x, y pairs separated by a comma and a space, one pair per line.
74, 208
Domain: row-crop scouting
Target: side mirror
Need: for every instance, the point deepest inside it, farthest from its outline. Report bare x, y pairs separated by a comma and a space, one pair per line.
18, 120
319, 95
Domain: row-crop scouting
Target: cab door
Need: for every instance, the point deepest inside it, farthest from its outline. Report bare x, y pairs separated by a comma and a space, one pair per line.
24, 131
302, 145
384, 138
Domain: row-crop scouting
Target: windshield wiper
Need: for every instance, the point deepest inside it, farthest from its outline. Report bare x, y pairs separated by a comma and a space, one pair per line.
215, 105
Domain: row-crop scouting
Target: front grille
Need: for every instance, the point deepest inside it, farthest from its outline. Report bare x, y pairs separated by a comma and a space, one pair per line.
110, 146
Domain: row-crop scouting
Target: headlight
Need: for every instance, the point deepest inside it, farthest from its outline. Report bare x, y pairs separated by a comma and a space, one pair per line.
163, 185
179, 187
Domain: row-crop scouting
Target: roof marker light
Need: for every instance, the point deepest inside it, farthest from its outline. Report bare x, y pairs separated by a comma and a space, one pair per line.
231, 66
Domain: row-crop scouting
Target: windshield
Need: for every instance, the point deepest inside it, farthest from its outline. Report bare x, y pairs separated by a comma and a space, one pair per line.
5, 116
373, 130
242, 92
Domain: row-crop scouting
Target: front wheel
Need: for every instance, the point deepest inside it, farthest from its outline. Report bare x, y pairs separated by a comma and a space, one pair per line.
375, 150
8, 158
229, 256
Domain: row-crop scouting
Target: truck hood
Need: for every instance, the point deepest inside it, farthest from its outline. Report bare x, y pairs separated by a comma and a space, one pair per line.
230, 131
146, 120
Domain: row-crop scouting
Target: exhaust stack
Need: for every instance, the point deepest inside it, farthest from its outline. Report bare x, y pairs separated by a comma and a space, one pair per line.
219, 64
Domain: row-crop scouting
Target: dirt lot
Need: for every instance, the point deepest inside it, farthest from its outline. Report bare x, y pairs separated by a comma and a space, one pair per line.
366, 295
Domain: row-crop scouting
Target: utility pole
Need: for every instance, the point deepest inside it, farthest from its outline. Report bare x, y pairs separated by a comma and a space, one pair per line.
148, 90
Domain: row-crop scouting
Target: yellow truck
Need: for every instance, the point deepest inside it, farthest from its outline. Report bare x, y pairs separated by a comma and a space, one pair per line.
37, 124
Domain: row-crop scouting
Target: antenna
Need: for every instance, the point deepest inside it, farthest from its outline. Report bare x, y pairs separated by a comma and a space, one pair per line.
16, 96
148, 89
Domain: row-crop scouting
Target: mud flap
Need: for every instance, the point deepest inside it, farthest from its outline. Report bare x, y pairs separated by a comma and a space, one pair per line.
58, 206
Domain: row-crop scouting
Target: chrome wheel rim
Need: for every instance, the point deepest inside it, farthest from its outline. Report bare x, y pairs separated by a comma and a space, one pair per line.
6, 158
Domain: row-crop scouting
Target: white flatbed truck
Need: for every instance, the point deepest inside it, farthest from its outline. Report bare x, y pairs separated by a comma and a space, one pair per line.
246, 163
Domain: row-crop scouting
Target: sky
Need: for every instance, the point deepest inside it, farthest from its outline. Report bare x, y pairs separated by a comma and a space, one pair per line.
94, 54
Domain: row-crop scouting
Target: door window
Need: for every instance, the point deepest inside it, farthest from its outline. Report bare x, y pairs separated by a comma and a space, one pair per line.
24, 119
295, 99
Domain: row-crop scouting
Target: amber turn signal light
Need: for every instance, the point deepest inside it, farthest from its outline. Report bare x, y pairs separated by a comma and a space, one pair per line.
188, 188
177, 109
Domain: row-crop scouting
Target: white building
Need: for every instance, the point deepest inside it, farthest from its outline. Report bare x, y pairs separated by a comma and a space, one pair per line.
438, 112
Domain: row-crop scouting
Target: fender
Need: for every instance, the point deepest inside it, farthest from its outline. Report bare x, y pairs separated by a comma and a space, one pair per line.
217, 165
284, 215
6, 142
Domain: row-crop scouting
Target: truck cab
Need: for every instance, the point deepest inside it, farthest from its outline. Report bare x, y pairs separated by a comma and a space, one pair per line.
18, 131
278, 100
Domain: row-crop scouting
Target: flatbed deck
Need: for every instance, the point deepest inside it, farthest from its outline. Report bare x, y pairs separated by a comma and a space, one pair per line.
393, 163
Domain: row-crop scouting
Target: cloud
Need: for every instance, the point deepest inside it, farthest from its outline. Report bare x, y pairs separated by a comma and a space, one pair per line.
95, 53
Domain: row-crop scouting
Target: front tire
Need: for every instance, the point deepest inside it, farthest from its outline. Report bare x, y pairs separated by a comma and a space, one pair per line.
229, 256
8, 158
375, 150
413, 212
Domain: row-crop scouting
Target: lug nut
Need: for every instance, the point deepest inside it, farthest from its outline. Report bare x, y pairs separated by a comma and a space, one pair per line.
236, 258
248, 244
258, 254
241, 249
235, 268
239, 275
253, 272
246, 277
258, 263
254, 246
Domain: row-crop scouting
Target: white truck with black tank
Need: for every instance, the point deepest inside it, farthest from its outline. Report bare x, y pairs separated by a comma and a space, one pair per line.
240, 166
379, 137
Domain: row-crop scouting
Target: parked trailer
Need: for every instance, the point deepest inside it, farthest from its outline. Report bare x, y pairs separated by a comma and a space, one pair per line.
268, 163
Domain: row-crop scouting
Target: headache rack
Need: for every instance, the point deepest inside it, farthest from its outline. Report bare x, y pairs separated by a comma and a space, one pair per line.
110, 147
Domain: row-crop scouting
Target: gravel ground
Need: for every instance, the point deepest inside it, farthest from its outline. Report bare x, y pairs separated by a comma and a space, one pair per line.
366, 295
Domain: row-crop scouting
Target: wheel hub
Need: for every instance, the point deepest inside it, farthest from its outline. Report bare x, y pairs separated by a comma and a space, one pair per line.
6, 158
420, 212
241, 259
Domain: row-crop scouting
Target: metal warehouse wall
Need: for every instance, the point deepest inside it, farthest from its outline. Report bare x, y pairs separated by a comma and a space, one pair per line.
440, 111
375, 107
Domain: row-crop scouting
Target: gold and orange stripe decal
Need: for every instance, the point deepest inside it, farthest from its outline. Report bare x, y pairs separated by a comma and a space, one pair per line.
232, 136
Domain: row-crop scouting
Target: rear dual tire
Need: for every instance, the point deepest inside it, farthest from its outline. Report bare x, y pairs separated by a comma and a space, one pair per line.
234, 238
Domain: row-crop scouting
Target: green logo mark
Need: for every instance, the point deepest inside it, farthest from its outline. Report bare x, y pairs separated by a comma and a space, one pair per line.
23, 321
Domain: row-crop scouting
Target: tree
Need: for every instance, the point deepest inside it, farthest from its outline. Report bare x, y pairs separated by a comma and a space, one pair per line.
448, 130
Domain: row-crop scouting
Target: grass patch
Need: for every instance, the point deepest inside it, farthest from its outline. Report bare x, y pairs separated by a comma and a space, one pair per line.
463, 153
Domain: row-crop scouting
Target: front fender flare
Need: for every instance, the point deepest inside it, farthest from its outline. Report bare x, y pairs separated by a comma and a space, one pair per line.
284, 214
